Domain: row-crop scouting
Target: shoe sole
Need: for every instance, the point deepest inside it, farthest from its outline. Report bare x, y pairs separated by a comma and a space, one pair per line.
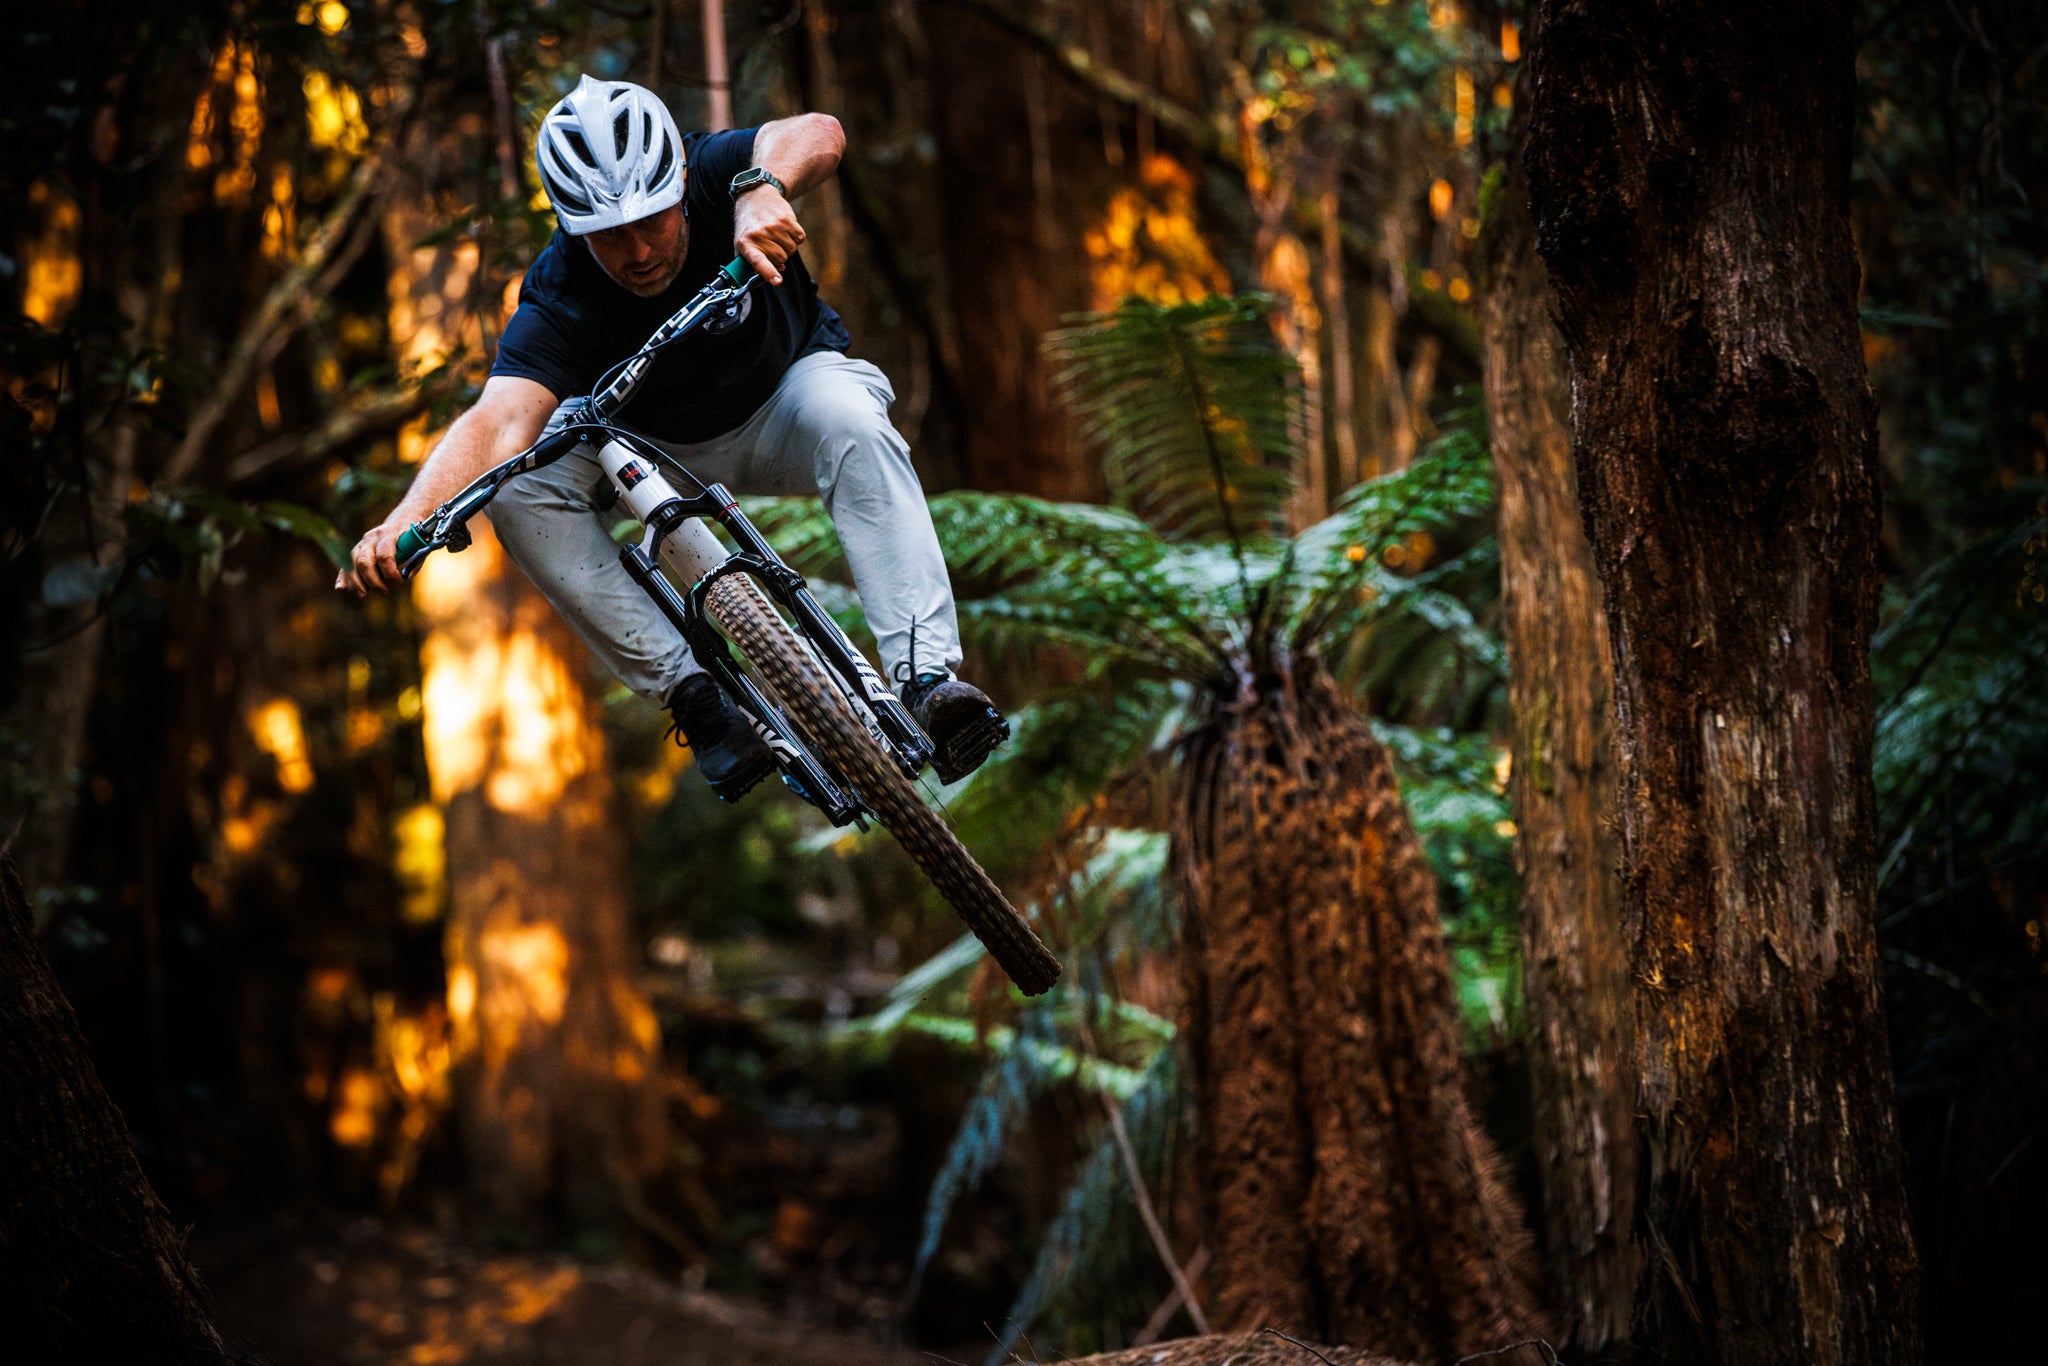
970, 746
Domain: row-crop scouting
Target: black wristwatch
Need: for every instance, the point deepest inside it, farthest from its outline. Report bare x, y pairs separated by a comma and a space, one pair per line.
753, 176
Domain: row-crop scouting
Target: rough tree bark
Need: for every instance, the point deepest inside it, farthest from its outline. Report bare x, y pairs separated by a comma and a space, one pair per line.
1255, 1349
556, 1047
91, 1267
1567, 848
1354, 1197
1688, 166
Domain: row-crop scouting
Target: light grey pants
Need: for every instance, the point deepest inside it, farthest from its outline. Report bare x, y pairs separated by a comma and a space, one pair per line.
824, 430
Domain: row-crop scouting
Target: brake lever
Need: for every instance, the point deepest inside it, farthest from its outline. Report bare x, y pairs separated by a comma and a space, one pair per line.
424, 538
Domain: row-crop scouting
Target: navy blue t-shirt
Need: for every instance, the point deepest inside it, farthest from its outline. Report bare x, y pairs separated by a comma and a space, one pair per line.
574, 322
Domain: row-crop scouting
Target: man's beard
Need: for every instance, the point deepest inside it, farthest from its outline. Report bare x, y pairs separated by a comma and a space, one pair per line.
651, 285
663, 273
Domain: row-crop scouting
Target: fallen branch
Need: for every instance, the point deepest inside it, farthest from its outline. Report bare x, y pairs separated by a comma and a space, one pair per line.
1251, 1349
1170, 1306
1140, 1195
1549, 1352
1299, 1343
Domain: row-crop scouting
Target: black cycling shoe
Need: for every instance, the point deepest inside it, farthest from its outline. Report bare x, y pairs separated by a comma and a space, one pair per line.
964, 725
729, 753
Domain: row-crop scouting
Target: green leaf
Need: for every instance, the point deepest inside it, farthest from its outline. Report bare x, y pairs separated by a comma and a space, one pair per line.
303, 522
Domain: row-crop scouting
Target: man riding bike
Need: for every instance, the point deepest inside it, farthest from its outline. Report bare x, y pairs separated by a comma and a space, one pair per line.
766, 402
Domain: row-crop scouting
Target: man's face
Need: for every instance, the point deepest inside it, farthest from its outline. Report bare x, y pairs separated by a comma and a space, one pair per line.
645, 255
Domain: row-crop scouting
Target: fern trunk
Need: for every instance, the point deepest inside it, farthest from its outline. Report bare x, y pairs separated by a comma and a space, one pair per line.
1353, 1195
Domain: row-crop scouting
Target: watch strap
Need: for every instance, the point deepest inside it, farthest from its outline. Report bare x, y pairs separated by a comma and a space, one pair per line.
755, 176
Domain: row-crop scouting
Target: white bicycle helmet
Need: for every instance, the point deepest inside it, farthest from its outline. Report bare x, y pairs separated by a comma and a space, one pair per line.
609, 153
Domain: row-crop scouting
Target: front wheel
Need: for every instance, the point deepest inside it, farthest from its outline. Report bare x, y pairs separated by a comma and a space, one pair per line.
815, 705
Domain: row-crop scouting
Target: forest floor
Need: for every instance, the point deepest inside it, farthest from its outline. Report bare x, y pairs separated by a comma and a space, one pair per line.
369, 1293
366, 1293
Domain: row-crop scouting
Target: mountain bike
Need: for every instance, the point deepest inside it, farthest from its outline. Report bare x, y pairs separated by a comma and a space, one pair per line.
841, 739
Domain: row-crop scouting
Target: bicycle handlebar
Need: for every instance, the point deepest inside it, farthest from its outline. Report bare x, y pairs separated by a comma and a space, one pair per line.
447, 527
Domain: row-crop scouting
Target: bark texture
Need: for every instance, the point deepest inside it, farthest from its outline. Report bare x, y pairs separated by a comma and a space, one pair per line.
91, 1267
555, 1045
1688, 167
1256, 1349
1567, 846
1355, 1198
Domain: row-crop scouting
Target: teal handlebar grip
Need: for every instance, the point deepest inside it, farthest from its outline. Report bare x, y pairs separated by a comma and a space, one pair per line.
411, 542
736, 270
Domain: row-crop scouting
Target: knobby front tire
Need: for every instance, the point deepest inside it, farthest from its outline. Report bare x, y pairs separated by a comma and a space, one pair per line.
814, 704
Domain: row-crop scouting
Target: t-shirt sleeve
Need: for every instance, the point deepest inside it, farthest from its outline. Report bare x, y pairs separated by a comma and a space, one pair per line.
720, 157
536, 346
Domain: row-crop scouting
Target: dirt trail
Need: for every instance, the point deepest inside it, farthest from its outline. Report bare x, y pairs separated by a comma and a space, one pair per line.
369, 1295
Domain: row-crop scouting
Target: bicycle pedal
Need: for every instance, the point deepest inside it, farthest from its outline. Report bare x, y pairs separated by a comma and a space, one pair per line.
968, 746
732, 791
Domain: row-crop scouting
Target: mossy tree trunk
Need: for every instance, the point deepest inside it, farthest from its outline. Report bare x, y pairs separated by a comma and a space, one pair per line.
1353, 1196
1688, 168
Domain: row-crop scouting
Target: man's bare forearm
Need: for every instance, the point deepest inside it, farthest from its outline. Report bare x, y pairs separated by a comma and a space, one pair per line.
471, 445
801, 152
505, 421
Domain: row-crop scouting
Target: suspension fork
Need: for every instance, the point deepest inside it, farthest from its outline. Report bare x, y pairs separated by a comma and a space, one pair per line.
792, 755
663, 511
633, 466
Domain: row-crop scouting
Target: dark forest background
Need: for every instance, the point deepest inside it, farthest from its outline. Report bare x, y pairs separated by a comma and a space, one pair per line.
456, 1020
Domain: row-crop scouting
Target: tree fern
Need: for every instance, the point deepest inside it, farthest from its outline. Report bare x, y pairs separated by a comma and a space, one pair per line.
1151, 614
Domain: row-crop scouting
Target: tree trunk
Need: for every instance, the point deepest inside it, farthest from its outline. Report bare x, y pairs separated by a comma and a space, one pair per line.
1688, 165
555, 1044
91, 1267
1567, 850
1354, 1197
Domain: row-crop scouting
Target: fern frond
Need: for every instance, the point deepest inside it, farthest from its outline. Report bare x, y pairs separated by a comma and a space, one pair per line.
1071, 1254
1194, 408
1076, 570
801, 532
1340, 558
1062, 752
1005, 1094
1418, 645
